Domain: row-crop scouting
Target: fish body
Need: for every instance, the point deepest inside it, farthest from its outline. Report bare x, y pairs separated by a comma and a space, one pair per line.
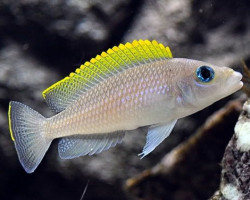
138, 97
127, 87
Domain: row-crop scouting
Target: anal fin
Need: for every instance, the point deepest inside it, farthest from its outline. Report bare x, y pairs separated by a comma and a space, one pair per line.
156, 134
80, 145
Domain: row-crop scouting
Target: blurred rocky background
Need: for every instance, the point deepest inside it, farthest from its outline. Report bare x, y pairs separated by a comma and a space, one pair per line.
42, 41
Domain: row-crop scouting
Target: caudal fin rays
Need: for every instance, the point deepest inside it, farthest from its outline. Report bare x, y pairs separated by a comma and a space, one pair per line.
26, 127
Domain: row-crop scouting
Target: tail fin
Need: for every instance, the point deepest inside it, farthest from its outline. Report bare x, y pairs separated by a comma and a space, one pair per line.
26, 129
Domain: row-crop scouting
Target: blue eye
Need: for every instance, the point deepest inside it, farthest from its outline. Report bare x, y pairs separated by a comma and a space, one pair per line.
205, 73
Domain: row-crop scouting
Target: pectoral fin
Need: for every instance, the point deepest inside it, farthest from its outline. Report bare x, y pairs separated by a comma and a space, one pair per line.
156, 134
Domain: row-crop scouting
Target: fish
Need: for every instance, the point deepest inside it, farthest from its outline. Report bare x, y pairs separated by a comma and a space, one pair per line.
132, 85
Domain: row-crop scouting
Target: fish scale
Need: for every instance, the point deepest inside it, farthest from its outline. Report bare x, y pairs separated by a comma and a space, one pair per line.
112, 117
129, 86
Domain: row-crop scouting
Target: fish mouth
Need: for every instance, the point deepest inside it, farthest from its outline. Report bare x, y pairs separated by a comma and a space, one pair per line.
235, 81
237, 75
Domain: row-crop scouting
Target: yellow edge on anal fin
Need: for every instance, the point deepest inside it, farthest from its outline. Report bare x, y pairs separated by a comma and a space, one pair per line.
53, 86
9, 118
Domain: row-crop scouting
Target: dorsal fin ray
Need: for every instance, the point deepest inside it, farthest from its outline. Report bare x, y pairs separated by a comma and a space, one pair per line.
109, 63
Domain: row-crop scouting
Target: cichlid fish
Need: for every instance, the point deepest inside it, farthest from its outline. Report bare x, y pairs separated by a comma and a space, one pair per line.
129, 86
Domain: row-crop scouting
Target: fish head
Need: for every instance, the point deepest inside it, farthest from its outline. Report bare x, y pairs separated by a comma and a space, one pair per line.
201, 84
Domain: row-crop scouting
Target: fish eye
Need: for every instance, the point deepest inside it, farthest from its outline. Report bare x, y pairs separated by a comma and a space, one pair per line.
205, 73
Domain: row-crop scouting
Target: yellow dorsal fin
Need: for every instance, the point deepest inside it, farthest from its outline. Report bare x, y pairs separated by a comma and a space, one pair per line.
109, 63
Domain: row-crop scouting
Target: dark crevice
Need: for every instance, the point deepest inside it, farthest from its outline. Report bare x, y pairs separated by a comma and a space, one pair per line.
60, 51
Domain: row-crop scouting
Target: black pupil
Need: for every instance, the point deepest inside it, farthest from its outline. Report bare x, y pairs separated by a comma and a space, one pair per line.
205, 73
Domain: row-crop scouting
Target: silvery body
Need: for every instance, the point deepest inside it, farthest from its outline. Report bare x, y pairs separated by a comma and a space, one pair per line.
95, 113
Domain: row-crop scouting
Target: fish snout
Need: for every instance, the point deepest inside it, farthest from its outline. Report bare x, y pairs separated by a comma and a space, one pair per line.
234, 80
238, 75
